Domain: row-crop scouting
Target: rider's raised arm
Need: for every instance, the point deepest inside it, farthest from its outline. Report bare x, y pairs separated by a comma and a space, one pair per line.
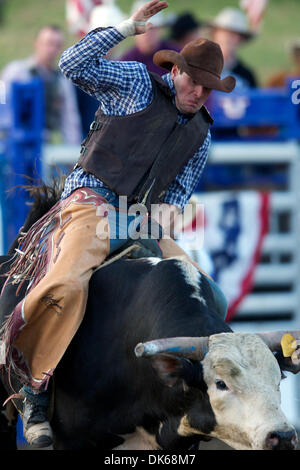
106, 80
111, 82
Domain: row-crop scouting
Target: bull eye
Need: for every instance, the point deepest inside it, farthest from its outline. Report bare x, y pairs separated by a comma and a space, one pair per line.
221, 385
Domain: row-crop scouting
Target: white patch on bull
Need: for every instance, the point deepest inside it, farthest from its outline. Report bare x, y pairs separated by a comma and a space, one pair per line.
192, 276
152, 260
249, 408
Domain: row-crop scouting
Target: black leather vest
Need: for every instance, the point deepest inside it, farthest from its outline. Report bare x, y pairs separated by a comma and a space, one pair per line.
139, 155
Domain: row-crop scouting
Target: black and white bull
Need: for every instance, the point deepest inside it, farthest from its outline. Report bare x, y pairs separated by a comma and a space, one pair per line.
199, 380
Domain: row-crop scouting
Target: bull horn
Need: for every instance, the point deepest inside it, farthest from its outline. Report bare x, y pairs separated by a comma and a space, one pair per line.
273, 338
189, 347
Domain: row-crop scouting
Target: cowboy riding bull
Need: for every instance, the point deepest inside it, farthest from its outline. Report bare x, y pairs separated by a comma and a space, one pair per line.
148, 144
157, 367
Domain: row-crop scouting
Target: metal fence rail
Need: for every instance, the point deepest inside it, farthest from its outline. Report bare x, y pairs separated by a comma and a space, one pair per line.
281, 270
276, 283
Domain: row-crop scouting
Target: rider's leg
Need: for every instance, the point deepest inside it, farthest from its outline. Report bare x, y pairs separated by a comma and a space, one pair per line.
53, 310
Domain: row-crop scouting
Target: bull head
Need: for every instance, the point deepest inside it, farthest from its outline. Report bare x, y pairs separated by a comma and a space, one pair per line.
233, 365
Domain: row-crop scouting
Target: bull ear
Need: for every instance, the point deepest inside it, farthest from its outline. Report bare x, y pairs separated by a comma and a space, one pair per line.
169, 368
286, 364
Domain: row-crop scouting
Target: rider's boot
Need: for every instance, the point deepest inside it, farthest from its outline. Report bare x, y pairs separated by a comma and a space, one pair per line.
36, 427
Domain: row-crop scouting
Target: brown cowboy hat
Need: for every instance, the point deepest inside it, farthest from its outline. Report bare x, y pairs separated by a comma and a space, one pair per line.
202, 60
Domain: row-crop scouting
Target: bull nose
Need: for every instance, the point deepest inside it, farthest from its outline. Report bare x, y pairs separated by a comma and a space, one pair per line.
281, 440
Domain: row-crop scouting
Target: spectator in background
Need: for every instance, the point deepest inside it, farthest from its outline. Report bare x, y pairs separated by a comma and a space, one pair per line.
230, 30
152, 41
62, 122
255, 10
280, 79
78, 14
184, 29
105, 15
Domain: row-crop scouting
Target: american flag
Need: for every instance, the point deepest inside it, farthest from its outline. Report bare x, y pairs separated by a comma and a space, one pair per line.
255, 10
233, 226
78, 14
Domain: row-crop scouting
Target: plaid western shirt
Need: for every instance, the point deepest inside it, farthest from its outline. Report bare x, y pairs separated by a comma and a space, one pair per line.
122, 88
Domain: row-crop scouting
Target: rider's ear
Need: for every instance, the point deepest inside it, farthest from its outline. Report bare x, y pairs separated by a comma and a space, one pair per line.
174, 71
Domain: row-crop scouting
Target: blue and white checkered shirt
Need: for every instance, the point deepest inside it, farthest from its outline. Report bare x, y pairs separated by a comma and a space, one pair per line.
122, 88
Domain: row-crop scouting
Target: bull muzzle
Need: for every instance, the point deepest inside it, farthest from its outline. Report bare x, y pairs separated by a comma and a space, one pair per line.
281, 440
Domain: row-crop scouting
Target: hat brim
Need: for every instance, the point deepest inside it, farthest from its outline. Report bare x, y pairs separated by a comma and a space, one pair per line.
167, 58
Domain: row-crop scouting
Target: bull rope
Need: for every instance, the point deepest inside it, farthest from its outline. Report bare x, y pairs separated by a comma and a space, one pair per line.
119, 256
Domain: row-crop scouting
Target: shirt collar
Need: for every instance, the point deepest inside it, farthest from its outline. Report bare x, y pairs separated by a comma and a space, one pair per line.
168, 80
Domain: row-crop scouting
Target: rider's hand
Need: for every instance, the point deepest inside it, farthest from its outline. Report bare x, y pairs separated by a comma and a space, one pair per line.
145, 12
145, 249
150, 229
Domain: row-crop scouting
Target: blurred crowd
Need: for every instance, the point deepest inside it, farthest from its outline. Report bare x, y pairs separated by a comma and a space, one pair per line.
69, 111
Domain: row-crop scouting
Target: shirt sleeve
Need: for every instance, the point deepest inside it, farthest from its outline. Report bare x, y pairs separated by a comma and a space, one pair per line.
120, 87
182, 188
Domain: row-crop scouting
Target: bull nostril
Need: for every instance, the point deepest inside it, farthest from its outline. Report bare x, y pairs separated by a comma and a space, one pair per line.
272, 441
280, 440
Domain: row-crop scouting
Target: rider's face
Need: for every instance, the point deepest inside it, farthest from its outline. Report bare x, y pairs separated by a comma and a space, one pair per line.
190, 96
